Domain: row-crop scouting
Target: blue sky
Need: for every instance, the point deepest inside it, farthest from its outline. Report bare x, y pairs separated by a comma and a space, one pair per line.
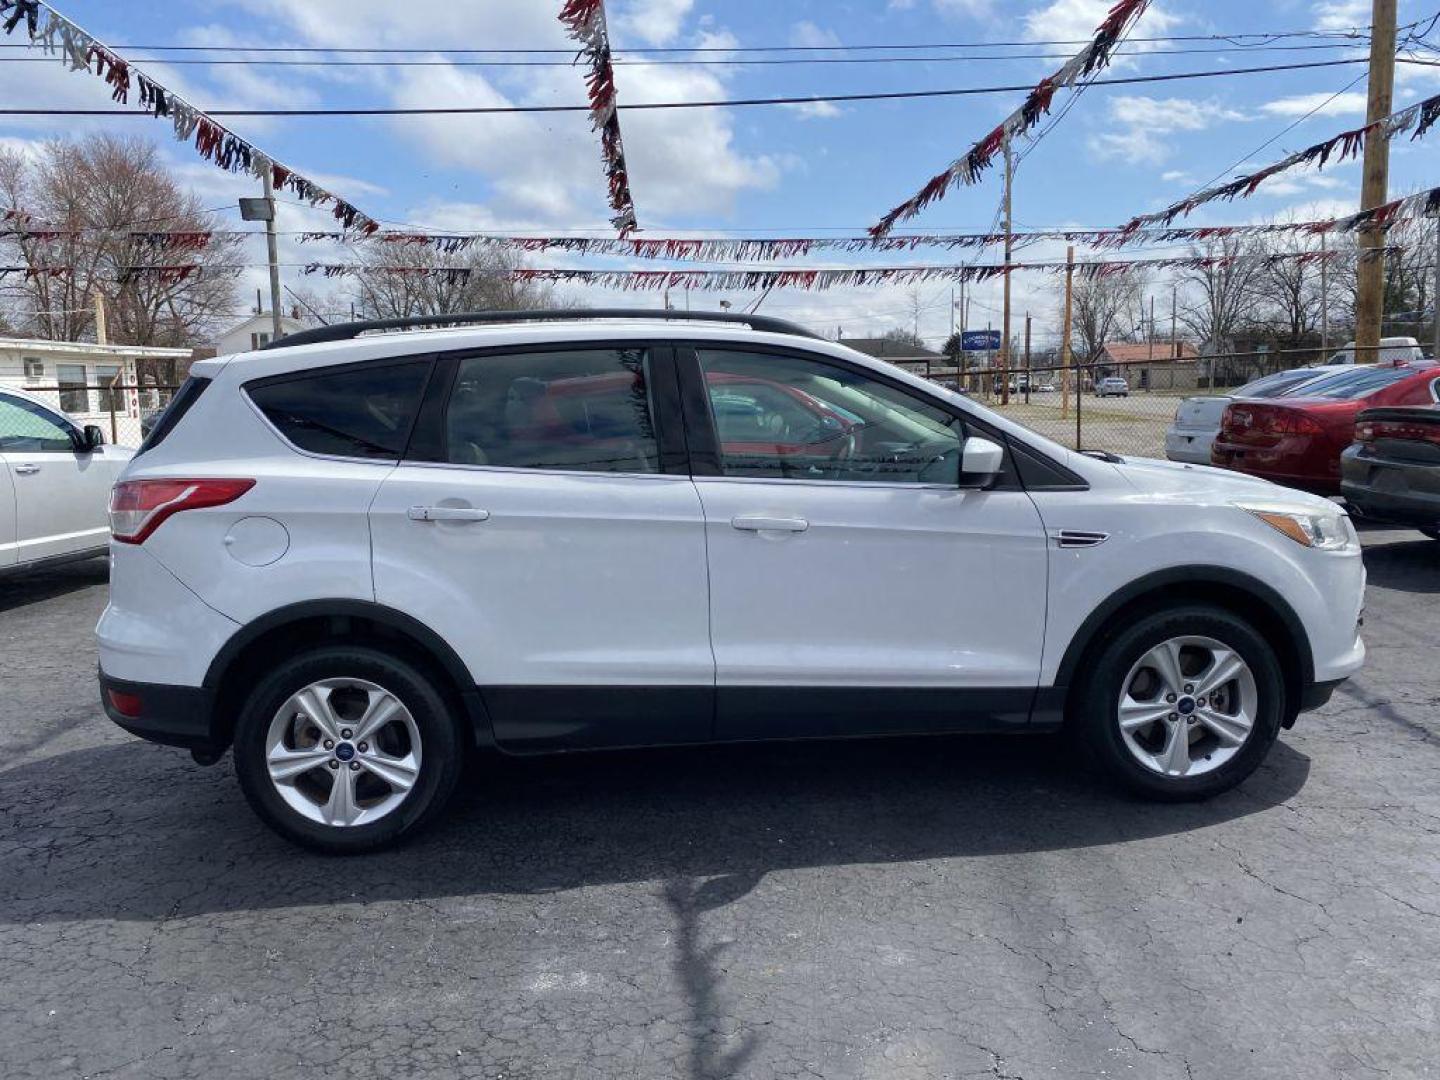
815, 169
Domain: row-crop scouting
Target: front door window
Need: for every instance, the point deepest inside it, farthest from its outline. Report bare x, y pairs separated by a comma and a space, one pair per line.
782, 417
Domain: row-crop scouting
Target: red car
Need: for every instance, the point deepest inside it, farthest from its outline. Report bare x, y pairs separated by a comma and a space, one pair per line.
1297, 441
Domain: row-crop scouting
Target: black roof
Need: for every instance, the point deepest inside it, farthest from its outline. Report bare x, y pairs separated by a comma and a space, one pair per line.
348, 330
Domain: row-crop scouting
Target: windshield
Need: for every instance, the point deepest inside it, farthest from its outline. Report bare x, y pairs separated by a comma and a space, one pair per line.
1352, 385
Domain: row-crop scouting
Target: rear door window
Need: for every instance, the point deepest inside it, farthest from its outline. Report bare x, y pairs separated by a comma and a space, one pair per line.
357, 412
585, 410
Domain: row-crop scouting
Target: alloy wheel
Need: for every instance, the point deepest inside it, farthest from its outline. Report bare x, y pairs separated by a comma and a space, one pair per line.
343, 752
1188, 706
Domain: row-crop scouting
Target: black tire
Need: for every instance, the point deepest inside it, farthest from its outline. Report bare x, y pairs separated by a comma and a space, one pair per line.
1095, 707
440, 763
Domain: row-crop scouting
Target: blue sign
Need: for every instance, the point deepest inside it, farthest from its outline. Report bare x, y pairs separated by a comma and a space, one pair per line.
980, 340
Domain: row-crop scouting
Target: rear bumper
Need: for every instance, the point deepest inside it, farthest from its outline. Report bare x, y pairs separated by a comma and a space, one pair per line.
1406, 493
172, 715
1191, 447
1277, 465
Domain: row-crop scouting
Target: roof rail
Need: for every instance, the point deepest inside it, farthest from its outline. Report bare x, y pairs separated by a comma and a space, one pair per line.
348, 330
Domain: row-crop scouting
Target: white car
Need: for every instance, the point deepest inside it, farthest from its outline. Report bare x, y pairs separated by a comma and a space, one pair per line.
1112, 386
354, 556
1197, 419
55, 480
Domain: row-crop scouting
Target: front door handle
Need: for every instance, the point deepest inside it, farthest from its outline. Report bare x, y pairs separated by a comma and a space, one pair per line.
27, 469
769, 524
446, 513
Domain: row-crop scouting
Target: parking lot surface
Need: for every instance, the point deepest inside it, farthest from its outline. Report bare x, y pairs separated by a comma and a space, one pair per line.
929, 908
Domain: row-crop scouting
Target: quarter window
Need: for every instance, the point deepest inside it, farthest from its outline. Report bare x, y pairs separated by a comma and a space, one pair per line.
364, 412
796, 419
27, 428
584, 410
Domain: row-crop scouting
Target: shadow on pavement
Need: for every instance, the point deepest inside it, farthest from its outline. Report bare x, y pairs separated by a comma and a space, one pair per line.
137, 832
22, 587
1403, 560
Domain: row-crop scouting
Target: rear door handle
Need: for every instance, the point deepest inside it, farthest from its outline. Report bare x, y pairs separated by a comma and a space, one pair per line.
446, 513
27, 469
769, 524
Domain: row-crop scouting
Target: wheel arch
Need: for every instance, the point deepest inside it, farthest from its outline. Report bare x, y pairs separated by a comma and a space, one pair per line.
1216, 586
243, 657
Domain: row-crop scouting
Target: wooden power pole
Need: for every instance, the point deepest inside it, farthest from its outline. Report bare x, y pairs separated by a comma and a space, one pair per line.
1374, 190
1009, 249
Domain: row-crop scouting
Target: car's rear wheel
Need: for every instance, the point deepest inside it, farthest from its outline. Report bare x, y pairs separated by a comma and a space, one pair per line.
346, 749
1182, 704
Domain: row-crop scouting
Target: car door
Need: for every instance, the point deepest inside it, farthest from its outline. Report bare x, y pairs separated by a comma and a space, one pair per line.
855, 586
544, 523
7, 516
61, 496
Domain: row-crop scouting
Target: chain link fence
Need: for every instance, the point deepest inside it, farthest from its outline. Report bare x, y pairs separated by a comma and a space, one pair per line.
1120, 407
123, 411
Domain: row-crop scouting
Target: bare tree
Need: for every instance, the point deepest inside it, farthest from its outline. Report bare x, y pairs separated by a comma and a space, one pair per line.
1285, 294
1218, 293
1101, 308
398, 281
87, 202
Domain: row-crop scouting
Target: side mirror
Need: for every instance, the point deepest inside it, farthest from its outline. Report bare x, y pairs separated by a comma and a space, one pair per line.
981, 462
91, 439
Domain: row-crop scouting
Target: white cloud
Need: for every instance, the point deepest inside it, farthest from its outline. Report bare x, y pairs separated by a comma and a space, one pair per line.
1162, 115
1135, 145
816, 110
655, 22
1146, 121
1177, 176
1076, 20
1341, 14
808, 35
1322, 103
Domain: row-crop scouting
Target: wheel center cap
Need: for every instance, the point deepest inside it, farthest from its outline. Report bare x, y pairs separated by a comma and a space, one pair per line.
1185, 706
344, 751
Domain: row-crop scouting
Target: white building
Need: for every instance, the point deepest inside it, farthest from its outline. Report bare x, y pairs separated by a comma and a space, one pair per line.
94, 384
253, 333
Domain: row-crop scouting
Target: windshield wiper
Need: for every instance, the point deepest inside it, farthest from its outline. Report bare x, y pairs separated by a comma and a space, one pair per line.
1104, 455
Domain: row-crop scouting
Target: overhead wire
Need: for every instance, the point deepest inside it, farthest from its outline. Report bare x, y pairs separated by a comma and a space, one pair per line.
803, 99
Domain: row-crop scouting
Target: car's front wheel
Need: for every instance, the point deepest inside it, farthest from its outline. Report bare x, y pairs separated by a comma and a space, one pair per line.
346, 749
1182, 704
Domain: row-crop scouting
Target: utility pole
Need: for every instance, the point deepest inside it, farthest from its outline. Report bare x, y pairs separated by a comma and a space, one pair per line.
960, 356
1151, 334
1027, 358
1436, 295
1065, 335
1009, 246
1174, 337
1374, 190
102, 333
273, 252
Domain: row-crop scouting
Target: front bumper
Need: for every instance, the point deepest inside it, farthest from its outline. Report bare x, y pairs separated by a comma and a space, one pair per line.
161, 713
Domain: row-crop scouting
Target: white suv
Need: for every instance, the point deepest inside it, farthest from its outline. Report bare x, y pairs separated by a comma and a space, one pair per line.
356, 555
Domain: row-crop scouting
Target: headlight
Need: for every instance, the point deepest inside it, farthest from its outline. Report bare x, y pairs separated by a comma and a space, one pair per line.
1325, 530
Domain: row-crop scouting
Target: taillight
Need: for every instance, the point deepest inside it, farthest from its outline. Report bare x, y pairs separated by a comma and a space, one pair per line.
1290, 422
139, 507
1364, 432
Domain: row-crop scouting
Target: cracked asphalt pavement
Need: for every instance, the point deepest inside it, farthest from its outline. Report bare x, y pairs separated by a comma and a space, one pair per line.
933, 908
